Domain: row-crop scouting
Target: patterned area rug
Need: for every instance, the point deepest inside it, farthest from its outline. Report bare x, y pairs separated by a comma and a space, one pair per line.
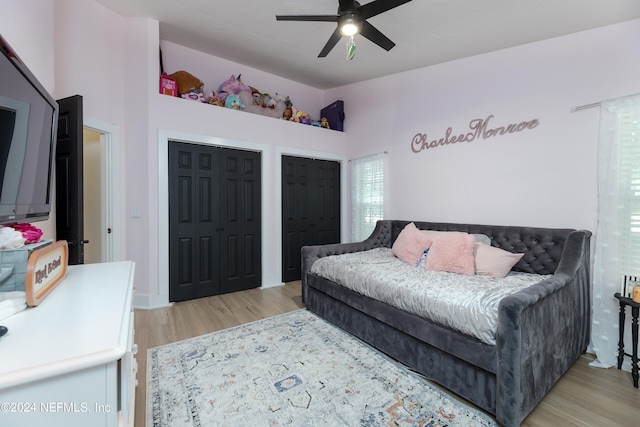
294, 369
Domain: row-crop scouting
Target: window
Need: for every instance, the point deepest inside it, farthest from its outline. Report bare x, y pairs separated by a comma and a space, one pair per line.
367, 195
617, 237
628, 137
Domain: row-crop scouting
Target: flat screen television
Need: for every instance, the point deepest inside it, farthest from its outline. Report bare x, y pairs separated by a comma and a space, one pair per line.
28, 122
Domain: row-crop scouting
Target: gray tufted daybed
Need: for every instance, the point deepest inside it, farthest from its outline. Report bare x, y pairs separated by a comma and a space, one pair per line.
541, 330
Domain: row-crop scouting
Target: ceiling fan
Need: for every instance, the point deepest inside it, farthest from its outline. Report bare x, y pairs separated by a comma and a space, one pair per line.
352, 20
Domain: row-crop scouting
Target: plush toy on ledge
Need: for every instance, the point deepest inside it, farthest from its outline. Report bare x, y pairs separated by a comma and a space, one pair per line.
249, 99
234, 102
263, 104
187, 82
232, 86
194, 95
234, 94
215, 100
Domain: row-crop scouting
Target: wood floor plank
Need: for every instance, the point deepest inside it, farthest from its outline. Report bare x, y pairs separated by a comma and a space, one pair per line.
585, 396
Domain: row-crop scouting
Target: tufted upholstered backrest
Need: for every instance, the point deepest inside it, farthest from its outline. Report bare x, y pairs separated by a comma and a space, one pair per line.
542, 247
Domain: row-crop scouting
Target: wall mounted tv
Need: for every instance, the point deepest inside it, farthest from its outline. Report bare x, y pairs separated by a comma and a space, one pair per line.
28, 122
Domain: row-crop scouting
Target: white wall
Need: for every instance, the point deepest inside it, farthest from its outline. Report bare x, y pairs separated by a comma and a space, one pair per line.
545, 176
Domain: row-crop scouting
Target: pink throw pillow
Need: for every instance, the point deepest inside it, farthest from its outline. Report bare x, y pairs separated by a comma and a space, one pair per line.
494, 262
452, 252
410, 244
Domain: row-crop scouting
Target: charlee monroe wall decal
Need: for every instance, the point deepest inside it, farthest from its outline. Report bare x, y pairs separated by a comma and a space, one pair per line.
479, 129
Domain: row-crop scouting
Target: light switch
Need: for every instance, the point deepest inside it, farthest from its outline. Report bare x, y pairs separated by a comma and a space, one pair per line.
135, 212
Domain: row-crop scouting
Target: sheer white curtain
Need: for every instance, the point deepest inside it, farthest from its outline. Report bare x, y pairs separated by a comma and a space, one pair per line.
617, 238
367, 195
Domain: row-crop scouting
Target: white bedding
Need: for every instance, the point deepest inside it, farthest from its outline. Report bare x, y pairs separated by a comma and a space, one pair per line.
468, 304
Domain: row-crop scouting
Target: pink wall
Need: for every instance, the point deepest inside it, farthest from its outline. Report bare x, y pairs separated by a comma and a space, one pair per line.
213, 71
31, 36
545, 176
113, 62
89, 60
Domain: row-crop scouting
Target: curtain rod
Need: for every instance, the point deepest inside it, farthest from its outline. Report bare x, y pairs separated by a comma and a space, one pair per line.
584, 107
370, 155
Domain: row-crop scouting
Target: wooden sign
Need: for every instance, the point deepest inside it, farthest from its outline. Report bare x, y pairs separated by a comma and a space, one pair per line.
46, 267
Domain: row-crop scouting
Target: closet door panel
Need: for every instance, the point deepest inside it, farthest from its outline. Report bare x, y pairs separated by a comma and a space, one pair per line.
241, 228
310, 206
193, 240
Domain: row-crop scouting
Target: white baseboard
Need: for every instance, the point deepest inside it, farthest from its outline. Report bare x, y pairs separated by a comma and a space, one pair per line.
150, 302
271, 285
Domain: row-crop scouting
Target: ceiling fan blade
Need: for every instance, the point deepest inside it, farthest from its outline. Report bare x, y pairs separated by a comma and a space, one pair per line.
318, 18
333, 40
372, 33
379, 6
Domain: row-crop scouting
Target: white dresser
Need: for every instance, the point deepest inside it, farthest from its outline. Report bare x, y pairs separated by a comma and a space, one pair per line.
70, 361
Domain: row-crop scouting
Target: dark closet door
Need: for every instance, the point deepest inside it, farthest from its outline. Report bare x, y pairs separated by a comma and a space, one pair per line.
214, 220
326, 214
69, 180
310, 208
193, 239
240, 220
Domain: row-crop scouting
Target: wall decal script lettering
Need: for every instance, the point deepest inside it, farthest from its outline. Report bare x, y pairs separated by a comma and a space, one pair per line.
479, 129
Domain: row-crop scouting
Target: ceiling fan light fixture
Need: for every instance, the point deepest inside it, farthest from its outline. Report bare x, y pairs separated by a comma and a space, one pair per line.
352, 19
349, 24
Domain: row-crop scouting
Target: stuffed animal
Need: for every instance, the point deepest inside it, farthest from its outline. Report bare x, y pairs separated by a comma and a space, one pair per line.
232, 86
234, 102
282, 98
294, 115
288, 113
251, 106
268, 101
288, 110
303, 117
186, 82
194, 95
215, 100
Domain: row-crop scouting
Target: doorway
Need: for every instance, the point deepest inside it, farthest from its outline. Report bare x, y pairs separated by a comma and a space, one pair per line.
99, 206
102, 204
86, 211
93, 198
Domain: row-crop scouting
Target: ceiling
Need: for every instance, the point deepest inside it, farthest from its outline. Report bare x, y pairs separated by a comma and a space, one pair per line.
426, 32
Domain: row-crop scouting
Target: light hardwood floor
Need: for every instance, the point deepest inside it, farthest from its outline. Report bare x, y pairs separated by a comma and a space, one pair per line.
584, 396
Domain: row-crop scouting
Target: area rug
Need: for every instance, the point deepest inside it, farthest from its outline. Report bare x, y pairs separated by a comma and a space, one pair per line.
294, 369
